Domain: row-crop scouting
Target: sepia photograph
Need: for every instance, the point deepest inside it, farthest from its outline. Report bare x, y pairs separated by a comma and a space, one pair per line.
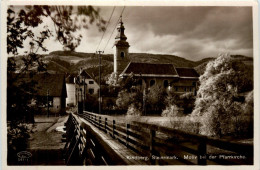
124, 85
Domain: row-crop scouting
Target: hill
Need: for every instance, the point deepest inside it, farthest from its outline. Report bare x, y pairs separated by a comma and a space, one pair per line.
70, 62
248, 61
73, 61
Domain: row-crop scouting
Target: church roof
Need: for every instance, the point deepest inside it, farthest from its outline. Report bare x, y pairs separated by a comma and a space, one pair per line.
122, 43
187, 72
149, 69
158, 70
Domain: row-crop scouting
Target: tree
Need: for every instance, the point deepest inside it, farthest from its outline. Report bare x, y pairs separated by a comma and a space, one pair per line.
218, 102
156, 98
28, 23
112, 79
67, 21
130, 96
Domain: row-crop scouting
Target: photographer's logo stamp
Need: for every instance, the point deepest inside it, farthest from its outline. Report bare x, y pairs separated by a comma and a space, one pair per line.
24, 156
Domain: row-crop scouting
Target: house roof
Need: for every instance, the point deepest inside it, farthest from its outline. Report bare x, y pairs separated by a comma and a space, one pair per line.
149, 69
54, 83
70, 78
85, 74
187, 72
82, 75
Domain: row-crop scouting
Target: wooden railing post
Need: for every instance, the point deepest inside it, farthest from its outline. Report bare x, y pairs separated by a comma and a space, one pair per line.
127, 134
152, 135
106, 124
113, 132
202, 152
99, 122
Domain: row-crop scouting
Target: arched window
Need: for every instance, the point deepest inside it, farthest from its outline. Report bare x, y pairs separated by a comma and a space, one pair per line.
122, 54
165, 83
152, 82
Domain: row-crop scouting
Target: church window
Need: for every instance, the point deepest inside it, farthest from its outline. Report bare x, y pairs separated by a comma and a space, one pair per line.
152, 82
122, 54
166, 83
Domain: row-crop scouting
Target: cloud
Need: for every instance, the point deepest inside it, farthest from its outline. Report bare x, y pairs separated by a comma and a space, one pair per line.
190, 32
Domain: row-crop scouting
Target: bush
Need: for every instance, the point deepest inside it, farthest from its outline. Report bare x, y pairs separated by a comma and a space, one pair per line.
172, 111
188, 124
130, 95
156, 98
133, 111
187, 102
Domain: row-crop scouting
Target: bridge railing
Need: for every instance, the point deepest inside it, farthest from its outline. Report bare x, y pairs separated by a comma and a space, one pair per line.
169, 146
85, 147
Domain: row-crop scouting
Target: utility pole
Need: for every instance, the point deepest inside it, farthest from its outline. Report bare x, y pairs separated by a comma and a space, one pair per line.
84, 93
99, 108
48, 93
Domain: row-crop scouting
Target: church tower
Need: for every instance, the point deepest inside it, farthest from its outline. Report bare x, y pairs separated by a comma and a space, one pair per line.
121, 46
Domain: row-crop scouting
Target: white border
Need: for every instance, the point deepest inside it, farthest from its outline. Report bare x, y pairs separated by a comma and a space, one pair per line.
3, 62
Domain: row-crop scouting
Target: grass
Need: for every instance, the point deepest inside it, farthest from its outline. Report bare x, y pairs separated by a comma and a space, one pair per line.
184, 123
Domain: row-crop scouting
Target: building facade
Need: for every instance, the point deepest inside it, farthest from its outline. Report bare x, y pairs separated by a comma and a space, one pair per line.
71, 91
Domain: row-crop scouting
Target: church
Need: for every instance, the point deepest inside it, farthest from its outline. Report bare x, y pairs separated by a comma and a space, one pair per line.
179, 80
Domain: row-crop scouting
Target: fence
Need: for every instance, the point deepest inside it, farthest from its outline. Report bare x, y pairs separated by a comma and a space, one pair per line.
85, 147
166, 146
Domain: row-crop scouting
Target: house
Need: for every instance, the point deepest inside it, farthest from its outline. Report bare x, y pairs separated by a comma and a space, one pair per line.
85, 84
47, 88
179, 80
79, 86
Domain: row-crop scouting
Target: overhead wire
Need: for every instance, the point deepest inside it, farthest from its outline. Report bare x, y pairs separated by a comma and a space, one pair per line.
106, 28
114, 28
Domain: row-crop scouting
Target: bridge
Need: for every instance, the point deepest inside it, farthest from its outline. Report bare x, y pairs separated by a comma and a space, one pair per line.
93, 139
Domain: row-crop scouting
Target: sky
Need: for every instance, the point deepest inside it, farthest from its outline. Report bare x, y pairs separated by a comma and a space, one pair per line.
193, 33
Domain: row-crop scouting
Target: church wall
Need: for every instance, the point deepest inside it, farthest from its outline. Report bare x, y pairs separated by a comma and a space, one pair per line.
183, 85
119, 62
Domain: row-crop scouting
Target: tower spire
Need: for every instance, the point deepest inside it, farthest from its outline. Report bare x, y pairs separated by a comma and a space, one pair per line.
121, 30
120, 48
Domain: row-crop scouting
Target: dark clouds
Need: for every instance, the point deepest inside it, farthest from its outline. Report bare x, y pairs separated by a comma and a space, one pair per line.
190, 32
